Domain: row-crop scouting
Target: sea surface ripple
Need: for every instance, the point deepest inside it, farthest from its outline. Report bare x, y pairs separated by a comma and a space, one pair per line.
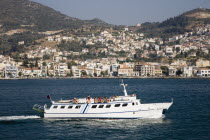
187, 119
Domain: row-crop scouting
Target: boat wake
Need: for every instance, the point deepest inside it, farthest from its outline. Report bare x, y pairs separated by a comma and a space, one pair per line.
8, 118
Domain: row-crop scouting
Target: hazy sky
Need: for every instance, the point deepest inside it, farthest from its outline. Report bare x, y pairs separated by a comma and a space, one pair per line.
124, 12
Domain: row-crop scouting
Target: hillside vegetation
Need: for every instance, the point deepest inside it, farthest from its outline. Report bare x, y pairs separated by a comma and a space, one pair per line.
31, 15
177, 25
23, 20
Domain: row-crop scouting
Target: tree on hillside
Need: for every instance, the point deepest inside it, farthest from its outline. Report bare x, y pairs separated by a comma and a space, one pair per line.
83, 73
178, 72
46, 57
165, 70
44, 64
95, 74
25, 63
71, 73
177, 49
102, 74
31, 65
36, 63
70, 64
25, 56
20, 74
9, 74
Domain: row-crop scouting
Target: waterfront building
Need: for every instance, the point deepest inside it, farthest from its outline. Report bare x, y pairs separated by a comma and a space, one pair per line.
114, 69
90, 72
188, 71
158, 72
76, 71
36, 72
203, 72
63, 69
172, 71
11, 71
44, 71
1, 68
145, 69
125, 72
31, 72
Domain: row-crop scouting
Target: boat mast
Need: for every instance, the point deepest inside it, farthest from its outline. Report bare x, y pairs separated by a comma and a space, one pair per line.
124, 89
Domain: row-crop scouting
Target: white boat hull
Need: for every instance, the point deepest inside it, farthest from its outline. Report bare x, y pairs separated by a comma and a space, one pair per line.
130, 112
115, 107
124, 115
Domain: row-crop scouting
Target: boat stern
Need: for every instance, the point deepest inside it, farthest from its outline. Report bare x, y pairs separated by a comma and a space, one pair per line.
39, 108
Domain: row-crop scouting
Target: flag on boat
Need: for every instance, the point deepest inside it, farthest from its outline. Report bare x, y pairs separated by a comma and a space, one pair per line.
48, 97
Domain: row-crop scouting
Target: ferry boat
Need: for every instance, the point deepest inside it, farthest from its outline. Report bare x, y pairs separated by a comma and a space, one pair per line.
116, 107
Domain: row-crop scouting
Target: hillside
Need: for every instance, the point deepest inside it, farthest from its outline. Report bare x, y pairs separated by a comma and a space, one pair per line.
31, 15
179, 24
22, 20
96, 21
198, 13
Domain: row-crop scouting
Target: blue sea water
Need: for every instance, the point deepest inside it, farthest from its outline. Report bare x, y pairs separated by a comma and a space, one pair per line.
187, 119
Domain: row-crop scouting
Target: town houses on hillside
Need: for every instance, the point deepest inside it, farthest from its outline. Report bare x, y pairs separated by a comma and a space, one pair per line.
123, 54
103, 68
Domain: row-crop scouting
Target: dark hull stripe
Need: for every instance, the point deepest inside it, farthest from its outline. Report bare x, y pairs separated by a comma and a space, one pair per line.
85, 108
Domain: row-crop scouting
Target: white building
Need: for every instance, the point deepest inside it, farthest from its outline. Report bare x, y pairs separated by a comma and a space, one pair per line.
63, 69
11, 71
188, 71
76, 71
172, 71
145, 69
203, 72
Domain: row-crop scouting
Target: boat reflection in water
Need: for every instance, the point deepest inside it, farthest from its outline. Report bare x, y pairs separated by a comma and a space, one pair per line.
113, 129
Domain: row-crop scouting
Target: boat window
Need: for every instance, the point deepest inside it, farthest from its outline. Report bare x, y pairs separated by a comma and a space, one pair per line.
108, 106
136, 103
125, 104
70, 107
101, 106
55, 106
78, 106
133, 103
62, 107
94, 106
117, 105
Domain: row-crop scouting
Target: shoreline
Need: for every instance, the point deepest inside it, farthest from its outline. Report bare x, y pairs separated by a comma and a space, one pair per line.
104, 78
